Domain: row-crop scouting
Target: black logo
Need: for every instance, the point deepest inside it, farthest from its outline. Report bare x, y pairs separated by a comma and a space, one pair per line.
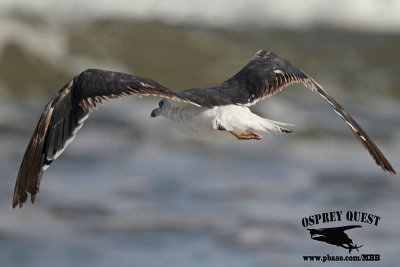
335, 236
336, 232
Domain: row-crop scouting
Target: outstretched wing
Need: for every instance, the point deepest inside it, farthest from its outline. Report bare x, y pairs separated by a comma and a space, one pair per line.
64, 115
266, 74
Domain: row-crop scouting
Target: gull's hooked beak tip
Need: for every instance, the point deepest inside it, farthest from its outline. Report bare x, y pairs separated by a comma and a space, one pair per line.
155, 113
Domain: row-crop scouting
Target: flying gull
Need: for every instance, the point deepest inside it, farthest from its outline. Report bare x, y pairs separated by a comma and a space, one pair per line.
217, 111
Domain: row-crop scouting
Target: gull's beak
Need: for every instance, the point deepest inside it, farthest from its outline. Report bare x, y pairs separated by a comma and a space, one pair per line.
155, 113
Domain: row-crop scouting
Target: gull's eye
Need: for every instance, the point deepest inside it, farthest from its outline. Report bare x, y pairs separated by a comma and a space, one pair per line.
161, 103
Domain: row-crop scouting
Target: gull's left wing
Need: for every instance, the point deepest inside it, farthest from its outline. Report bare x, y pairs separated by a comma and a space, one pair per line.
64, 115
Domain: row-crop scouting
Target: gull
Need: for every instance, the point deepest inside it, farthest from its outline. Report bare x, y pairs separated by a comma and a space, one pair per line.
217, 111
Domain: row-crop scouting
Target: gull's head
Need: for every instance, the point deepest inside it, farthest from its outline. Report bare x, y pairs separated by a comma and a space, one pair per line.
163, 106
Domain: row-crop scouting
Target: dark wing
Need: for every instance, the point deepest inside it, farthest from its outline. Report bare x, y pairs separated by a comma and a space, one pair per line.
63, 116
266, 74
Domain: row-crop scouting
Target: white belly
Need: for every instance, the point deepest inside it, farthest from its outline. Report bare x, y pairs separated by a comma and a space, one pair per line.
203, 123
197, 122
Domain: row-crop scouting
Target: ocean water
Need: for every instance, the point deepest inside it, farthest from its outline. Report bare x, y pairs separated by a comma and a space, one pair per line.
133, 191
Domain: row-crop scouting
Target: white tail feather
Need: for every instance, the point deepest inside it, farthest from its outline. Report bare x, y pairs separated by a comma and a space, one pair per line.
275, 126
234, 117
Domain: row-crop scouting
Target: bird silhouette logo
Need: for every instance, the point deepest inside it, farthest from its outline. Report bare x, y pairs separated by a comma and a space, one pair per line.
335, 236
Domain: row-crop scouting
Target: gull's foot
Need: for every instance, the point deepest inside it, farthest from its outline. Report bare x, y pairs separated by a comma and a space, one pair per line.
246, 135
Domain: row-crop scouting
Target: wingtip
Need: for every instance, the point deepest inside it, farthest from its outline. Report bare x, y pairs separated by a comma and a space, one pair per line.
16, 202
390, 170
33, 198
385, 165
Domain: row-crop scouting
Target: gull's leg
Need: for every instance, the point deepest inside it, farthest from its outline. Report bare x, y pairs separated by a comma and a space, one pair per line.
246, 135
239, 134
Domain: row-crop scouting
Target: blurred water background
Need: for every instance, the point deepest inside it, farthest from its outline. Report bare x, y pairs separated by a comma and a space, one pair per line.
133, 191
